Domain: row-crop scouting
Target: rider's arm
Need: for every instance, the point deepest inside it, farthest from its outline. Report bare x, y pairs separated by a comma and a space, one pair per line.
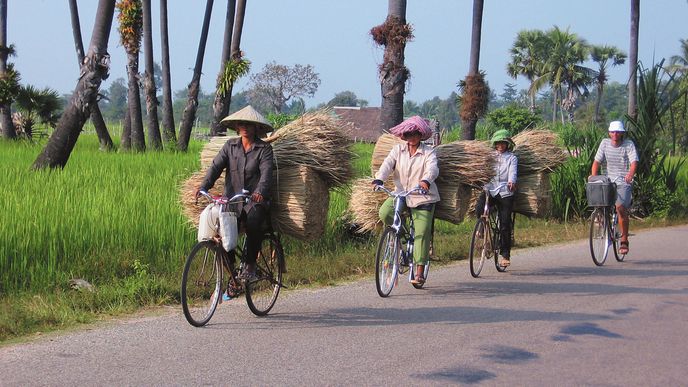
631, 172
595, 168
265, 166
431, 170
512, 173
599, 158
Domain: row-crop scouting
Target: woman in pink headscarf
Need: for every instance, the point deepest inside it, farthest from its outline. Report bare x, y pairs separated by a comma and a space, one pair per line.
413, 164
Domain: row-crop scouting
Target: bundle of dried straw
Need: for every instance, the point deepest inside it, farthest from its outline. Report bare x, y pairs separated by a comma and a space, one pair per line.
455, 198
316, 140
533, 197
467, 162
365, 204
537, 151
299, 206
383, 145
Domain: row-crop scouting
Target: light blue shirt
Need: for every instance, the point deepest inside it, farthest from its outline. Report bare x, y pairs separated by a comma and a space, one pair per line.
506, 168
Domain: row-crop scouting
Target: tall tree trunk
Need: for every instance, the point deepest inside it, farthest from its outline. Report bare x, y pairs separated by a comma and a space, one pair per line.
633, 59
138, 141
168, 130
598, 103
392, 72
150, 89
220, 104
8, 130
93, 70
96, 116
125, 141
470, 119
189, 114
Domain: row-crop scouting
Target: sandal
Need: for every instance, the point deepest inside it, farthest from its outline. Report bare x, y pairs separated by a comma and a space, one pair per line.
623, 247
418, 280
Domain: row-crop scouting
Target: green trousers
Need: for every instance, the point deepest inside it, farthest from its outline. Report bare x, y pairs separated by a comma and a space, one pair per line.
422, 223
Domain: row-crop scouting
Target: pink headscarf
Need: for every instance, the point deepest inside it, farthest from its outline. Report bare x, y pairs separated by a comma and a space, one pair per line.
413, 124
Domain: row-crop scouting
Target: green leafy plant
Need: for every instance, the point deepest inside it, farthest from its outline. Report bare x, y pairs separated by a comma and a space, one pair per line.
514, 118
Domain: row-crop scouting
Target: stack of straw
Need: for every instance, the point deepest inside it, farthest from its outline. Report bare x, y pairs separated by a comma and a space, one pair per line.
298, 208
455, 198
312, 155
534, 197
383, 146
537, 151
365, 203
468, 162
316, 140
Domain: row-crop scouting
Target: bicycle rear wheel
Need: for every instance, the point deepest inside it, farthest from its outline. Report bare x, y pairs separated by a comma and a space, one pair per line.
387, 262
480, 247
599, 236
202, 283
262, 291
496, 241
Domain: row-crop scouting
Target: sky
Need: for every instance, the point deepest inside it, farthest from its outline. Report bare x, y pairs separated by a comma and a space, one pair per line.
333, 37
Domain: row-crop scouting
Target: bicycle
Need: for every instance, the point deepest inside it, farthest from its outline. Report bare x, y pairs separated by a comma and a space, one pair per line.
394, 254
603, 221
208, 263
486, 239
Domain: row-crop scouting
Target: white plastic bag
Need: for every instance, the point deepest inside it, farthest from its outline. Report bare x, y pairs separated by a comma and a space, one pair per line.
229, 230
208, 224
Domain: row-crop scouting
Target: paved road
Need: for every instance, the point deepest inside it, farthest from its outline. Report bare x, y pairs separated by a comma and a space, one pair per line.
552, 319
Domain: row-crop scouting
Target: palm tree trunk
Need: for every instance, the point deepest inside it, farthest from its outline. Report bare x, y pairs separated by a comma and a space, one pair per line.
93, 70
633, 59
138, 141
125, 141
96, 116
8, 130
189, 114
393, 72
150, 89
168, 130
598, 103
220, 104
469, 123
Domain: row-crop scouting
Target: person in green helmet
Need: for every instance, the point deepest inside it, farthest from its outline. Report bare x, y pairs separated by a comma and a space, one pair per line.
502, 188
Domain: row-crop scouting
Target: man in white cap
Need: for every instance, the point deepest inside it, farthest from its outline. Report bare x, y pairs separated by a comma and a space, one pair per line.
621, 160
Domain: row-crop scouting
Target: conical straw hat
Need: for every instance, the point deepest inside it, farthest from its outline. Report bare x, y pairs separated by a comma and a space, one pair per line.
248, 114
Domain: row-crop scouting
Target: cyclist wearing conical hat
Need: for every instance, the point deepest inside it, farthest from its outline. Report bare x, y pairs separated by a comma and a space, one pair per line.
502, 188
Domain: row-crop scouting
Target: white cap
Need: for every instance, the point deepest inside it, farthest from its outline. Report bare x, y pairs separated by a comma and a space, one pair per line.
616, 126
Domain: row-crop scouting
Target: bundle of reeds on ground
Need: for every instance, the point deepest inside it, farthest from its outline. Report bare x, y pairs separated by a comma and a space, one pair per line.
316, 140
538, 150
365, 203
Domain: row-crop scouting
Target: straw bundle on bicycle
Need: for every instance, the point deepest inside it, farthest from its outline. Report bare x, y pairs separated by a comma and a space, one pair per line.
534, 197
383, 146
537, 151
455, 198
467, 162
299, 206
365, 203
316, 140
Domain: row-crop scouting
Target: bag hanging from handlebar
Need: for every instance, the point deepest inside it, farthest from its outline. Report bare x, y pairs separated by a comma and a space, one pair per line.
208, 226
229, 229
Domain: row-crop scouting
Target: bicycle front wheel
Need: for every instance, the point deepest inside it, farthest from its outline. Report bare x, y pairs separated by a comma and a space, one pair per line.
480, 247
387, 262
599, 236
202, 283
262, 291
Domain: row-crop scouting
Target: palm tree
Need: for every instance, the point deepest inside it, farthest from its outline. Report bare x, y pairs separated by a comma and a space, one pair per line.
473, 100
130, 28
393, 35
220, 104
189, 114
35, 105
168, 132
527, 59
149, 86
94, 69
633, 60
8, 77
564, 53
601, 55
679, 63
96, 116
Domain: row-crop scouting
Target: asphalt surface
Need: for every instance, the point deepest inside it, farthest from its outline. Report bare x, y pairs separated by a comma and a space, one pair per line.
552, 319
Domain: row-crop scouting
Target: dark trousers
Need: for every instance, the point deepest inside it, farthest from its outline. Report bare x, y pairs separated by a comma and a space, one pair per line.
254, 223
505, 207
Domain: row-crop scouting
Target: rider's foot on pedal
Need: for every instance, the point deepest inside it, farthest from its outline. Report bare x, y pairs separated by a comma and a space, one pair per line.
504, 261
418, 279
249, 272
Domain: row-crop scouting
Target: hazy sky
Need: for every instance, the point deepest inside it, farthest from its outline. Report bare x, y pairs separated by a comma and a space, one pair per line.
333, 36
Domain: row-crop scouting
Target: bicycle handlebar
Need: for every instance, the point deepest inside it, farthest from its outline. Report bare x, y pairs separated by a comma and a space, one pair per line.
244, 197
417, 189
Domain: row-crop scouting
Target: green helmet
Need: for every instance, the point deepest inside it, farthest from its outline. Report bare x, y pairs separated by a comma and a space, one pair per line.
502, 135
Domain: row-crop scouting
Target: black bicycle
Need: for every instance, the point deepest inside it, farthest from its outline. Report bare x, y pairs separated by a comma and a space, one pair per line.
395, 250
208, 266
486, 239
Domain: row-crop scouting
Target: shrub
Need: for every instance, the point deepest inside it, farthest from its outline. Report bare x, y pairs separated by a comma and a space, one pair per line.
514, 118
